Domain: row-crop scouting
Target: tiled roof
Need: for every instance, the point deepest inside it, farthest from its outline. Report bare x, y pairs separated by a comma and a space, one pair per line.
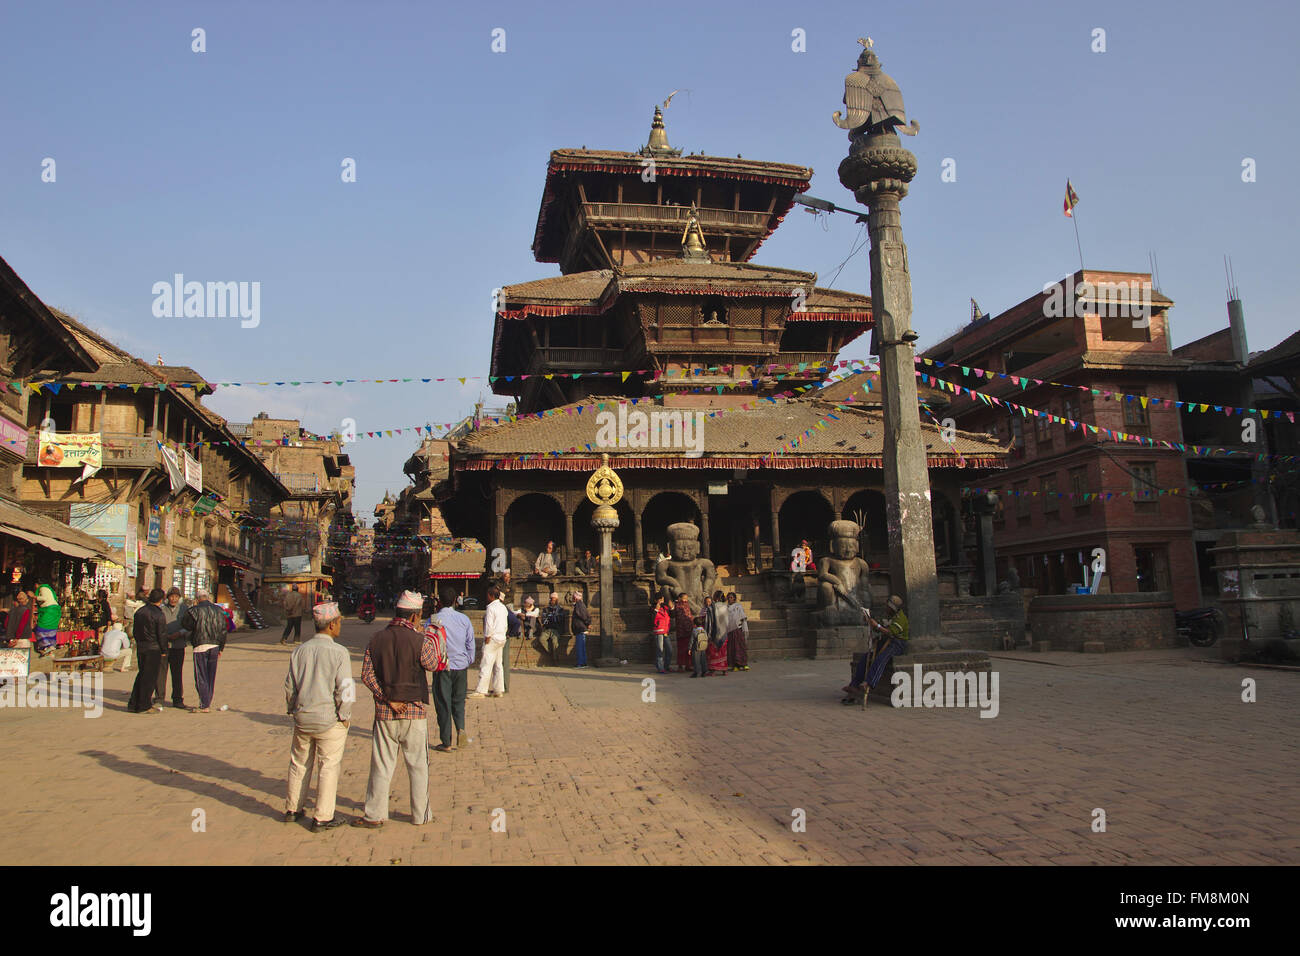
1278, 357
573, 289
853, 437
715, 166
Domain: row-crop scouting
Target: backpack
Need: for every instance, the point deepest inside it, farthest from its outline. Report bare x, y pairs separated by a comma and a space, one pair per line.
438, 634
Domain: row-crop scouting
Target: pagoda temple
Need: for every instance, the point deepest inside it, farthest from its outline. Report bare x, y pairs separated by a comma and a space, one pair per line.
659, 311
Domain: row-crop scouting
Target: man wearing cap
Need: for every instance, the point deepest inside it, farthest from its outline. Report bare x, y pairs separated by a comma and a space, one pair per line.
294, 605
174, 609
892, 640
395, 670
205, 626
318, 694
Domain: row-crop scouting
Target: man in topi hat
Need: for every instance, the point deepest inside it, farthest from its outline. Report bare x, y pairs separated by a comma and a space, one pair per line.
318, 694
892, 640
395, 669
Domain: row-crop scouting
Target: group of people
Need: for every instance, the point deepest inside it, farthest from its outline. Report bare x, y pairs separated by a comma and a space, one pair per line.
162, 628
400, 663
34, 618
715, 640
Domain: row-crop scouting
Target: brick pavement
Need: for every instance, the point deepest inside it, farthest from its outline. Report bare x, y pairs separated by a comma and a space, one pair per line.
710, 772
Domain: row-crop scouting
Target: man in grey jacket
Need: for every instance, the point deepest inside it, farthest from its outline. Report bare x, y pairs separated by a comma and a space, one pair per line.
318, 693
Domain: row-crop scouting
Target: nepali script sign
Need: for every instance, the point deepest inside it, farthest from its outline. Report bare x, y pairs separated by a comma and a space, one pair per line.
14, 662
59, 450
193, 472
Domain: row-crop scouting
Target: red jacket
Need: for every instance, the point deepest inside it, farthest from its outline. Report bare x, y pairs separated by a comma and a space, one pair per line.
661, 620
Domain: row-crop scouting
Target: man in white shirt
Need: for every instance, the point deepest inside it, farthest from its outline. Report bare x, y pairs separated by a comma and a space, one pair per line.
116, 646
545, 565
490, 668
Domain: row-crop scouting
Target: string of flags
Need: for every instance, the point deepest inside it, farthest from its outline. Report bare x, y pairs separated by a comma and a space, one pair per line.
756, 375
1144, 400
1086, 497
1118, 436
770, 370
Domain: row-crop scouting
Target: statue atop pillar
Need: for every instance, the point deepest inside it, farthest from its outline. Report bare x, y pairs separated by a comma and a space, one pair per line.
843, 583
685, 572
874, 101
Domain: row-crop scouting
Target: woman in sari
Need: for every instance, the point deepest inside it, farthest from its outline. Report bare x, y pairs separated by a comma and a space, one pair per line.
717, 620
684, 628
48, 615
738, 635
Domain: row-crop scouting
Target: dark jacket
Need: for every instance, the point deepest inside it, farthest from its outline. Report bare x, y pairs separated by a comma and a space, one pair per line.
206, 624
581, 617
149, 629
395, 657
18, 626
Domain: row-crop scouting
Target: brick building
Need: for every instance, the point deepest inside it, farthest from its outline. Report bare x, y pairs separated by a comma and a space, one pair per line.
174, 493
317, 512
1067, 490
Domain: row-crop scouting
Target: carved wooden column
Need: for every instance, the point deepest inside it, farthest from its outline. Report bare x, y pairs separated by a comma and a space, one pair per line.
705, 538
776, 528
638, 558
499, 541
568, 535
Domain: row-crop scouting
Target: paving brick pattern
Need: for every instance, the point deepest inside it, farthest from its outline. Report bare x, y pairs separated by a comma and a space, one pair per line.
710, 772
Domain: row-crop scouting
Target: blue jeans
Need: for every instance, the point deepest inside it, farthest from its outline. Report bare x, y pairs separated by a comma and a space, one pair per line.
663, 652
580, 640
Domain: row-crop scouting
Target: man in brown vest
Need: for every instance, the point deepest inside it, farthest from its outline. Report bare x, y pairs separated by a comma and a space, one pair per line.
395, 669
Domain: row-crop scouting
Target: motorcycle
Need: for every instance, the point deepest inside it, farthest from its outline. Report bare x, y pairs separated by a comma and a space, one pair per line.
366, 613
1201, 627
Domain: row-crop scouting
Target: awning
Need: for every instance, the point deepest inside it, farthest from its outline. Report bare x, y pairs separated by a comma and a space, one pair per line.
53, 544
46, 532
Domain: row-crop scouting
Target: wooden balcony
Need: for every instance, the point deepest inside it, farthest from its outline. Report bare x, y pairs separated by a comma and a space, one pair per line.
300, 482
736, 222
557, 359
120, 451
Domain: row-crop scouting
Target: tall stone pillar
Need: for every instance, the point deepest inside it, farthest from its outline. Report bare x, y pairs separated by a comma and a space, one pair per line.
878, 170
605, 520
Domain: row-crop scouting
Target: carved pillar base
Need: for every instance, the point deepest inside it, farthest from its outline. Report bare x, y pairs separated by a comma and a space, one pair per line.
605, 520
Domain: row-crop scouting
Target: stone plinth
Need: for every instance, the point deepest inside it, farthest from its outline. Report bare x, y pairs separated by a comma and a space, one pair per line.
1259, 588
1120, 622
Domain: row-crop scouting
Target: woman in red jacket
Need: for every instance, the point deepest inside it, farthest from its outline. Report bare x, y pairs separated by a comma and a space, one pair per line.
661, 624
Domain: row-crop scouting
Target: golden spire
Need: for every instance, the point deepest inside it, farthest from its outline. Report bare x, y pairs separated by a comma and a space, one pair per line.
693, 247
658, 134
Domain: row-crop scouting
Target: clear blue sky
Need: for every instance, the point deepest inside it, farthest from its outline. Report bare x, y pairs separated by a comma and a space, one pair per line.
225, 165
